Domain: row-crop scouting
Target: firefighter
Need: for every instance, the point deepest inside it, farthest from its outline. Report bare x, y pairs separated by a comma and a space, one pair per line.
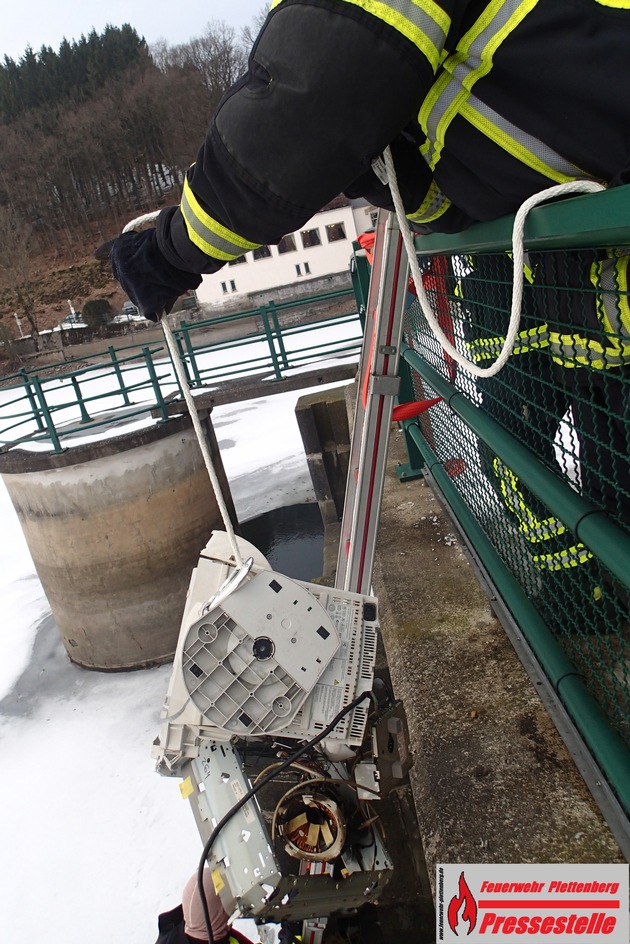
480, 101
483, 103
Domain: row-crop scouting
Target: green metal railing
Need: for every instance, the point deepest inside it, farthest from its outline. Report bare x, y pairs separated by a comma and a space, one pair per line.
130, 380
534, 462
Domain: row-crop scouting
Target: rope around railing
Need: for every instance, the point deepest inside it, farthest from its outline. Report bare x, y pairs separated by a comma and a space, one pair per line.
575, 186
192, 409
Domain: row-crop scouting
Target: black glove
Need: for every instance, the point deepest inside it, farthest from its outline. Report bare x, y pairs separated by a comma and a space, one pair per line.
150, 281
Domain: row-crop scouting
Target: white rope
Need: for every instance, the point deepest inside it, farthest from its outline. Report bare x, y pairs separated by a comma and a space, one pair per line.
575, 186
141, 220
203, 445
192, 409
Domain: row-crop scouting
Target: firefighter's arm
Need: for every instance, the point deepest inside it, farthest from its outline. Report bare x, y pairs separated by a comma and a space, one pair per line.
329, 86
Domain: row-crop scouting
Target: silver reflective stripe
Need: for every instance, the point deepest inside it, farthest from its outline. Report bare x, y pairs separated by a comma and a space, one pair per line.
574, 351
208, 234
530, 339
525, 147
422, 22
606, 277
433, 205
452, 96
570, 557
415, 14
464, 75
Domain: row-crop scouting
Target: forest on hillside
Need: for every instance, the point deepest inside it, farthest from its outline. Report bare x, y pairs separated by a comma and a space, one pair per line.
97, 132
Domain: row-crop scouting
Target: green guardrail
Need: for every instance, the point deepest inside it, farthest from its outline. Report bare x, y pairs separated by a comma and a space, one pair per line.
35, 406
534, 462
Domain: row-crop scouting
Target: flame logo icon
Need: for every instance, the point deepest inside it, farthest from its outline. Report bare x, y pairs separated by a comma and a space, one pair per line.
469, 912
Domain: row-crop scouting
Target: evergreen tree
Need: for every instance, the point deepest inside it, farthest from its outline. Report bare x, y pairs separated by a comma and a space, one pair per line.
100, 130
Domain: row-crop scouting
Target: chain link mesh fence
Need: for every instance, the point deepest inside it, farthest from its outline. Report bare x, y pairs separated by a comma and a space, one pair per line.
565, 394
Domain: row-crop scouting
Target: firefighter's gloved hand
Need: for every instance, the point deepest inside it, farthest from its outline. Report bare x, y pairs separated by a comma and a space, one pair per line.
150, 281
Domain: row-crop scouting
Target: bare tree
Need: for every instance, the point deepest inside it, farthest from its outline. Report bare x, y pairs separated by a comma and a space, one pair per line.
217, 55
16, 266
249, 33
9, 356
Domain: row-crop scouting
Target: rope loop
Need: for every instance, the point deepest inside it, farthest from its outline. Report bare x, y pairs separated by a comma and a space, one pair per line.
573, 186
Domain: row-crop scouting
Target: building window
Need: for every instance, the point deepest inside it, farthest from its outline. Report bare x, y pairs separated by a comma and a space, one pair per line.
298, 270
335, 231
307, 269
374, 217
224, 287
233, 285
310, 237
263, 252
287, 244
237, 261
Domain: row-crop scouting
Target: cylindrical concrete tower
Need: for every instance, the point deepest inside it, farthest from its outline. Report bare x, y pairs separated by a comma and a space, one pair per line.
115, 528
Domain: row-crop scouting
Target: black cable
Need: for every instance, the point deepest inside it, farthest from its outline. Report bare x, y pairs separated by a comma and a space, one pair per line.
252, 792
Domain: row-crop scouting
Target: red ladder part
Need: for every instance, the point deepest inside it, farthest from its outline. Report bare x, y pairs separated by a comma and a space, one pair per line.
407, 411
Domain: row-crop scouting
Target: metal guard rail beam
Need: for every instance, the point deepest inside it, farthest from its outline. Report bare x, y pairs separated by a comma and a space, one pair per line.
596, 219
591, 525
607, 748
33, 389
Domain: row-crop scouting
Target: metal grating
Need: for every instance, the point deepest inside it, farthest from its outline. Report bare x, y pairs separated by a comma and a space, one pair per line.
565, 394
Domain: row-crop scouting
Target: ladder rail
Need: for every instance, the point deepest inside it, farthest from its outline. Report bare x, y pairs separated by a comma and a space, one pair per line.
378, 384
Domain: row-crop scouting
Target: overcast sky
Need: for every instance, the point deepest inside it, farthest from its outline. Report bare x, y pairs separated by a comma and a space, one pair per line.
40, 22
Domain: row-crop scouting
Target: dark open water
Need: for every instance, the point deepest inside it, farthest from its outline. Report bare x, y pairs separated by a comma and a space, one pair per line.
292, 539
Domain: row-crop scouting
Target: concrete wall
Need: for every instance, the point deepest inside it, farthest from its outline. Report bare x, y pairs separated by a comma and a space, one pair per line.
102, 335
114, 529
323, 422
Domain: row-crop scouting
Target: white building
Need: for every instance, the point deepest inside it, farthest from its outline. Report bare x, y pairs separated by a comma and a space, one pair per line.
321, 249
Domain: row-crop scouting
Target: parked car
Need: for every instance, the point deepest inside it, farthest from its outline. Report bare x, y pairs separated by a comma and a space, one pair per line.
72, 321
129, 308
129, 313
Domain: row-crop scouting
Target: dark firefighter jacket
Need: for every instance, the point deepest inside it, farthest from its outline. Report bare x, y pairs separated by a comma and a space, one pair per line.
484, 103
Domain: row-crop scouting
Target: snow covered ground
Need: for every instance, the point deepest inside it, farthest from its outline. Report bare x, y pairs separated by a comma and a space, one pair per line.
94, 843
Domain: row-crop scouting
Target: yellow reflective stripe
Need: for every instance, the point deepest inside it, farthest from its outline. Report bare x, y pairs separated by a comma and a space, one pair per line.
571, 350
422, 22
208, 234
528, 272
525, 148
529, 339
617, 4
532, 528
623, 299
562, 560
472, 60
432, 207
610, 278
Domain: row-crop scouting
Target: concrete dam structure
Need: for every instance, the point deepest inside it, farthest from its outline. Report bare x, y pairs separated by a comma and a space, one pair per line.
114, 528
